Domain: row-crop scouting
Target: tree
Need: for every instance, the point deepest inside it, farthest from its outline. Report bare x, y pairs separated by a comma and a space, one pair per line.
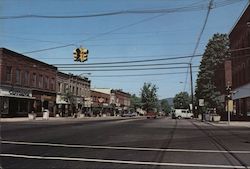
217, 50
165, 106
181, 100
135, 102
149, 97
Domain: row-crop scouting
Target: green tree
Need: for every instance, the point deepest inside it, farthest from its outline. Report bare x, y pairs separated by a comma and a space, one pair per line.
135, 102
181, 100
217, 50
149, 97
165, 106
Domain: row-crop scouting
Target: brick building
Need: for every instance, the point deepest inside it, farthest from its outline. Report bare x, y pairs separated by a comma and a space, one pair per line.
119, 100
73, 93
240, 47
100, 103
26, 84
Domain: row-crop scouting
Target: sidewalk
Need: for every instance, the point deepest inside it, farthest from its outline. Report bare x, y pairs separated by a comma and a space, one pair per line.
25, 119
232, 123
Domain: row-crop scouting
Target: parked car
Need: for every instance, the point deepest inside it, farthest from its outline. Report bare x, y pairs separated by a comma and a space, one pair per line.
182, 113
126, 115
151, 115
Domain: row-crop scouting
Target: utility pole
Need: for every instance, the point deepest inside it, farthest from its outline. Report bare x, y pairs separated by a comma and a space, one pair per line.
191, 85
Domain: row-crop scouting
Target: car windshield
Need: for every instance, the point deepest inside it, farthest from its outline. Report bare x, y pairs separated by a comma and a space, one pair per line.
99, 84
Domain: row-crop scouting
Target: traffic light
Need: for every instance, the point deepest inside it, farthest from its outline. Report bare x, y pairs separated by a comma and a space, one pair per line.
81, 54
84, 54
77, 55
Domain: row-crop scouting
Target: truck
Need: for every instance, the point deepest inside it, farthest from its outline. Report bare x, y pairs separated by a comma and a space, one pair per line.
182, 113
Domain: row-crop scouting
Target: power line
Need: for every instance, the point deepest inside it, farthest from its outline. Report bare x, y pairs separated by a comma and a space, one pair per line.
141, 65
51, 48
199, 37
99, 35
126, 62
93, 70
227, 2
123, 12
136, 75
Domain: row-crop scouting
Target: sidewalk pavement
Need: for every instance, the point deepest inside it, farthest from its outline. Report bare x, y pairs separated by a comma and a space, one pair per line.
232, 123
25, 119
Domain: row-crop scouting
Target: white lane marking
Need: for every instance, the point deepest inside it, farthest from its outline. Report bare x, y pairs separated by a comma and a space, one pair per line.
122, 148
120, 161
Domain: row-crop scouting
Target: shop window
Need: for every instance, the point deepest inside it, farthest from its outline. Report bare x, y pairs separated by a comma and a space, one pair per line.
8, 73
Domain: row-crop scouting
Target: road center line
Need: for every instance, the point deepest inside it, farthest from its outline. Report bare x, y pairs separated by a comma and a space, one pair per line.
119, 161
121, 148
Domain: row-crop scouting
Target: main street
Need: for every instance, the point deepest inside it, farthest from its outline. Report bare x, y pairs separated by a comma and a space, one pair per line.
123, 143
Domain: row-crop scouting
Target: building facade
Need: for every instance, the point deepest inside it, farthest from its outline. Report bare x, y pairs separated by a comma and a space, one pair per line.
240, 51
73, 94
100, 104
119, 100
26, 85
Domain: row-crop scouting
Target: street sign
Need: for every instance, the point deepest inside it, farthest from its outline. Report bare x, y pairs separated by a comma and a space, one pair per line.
201, 102
230, 106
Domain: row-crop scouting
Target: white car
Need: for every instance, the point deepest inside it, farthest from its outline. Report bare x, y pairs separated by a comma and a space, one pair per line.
182, 113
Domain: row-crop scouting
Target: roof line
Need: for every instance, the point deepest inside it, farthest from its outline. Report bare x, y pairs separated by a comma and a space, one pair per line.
238, 19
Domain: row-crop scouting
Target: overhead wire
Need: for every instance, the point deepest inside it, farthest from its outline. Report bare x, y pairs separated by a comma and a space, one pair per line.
141, 65
199, 38
126, 62
123, 12
228, 2
134, 69
136, 75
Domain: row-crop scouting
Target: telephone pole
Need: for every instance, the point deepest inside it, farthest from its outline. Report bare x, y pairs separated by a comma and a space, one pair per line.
191, 86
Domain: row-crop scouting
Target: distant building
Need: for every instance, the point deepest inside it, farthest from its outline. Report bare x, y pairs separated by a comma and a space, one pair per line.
26, 84
119, 99
100, 103
73, 94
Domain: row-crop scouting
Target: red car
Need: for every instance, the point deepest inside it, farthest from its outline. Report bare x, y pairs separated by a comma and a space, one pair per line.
151, 115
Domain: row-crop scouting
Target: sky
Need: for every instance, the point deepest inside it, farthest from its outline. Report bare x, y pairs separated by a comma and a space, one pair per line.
119, 38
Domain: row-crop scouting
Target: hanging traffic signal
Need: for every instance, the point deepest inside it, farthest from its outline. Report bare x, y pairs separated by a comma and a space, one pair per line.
81, 54
84, 54
76, 54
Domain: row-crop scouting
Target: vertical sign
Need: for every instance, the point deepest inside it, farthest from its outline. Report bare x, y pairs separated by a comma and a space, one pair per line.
228, 72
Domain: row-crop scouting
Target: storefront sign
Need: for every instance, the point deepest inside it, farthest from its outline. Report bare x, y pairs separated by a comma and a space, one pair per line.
20, 92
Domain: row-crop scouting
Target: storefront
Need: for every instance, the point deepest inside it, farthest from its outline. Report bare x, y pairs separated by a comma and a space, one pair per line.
44, 100
241, 99
62, 106
15, 101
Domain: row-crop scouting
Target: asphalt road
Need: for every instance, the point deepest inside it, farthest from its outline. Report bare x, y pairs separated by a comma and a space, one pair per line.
123, 143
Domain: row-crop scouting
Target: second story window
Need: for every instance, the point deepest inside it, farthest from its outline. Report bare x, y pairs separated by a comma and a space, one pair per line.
40, 82
18, 76
26, 78
58, 87
52, 84
33, 80
8, 73
46, 82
